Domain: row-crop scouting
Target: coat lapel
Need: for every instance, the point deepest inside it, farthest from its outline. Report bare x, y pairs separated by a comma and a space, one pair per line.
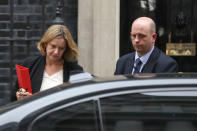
150, 64
129, 64
36, 74
66, 71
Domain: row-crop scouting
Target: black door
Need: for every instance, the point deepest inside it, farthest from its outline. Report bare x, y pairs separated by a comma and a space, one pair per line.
175, 22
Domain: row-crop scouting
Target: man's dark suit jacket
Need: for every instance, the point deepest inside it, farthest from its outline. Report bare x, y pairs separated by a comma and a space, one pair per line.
158, 62
36, 67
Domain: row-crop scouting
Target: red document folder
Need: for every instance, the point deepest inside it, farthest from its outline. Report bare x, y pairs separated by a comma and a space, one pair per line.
23, 78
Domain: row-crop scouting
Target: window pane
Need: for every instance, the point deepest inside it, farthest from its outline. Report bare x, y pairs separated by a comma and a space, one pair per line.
136, 112
75, 118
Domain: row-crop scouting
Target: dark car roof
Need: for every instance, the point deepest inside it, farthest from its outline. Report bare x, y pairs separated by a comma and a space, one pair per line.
100, 86
163, 78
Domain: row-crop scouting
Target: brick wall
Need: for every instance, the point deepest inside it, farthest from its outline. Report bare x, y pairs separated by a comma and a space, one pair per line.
30, 19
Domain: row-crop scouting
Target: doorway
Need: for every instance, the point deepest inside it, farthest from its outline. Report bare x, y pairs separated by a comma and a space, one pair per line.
175, 25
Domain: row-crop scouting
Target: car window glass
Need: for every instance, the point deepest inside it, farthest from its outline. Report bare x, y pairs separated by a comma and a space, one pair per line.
78, 117
137, 112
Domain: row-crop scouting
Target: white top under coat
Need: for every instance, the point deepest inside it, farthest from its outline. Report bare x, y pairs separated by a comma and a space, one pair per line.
51, 81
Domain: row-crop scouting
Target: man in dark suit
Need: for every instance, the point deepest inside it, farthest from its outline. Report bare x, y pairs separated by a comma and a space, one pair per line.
147, 58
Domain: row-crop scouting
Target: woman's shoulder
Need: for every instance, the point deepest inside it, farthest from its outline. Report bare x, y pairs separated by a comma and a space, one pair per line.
29, 61
74, 66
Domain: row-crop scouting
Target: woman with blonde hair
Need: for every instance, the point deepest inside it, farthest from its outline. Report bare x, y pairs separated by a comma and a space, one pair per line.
58, 58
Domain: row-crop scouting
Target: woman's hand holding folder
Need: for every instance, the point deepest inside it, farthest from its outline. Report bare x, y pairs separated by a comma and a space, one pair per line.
24, 82
22, 93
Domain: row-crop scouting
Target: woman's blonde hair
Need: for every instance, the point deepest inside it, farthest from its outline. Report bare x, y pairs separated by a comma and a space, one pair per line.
59, 31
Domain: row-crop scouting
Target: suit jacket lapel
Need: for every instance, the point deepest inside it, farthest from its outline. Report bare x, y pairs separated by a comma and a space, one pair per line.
129, 64
149, 66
